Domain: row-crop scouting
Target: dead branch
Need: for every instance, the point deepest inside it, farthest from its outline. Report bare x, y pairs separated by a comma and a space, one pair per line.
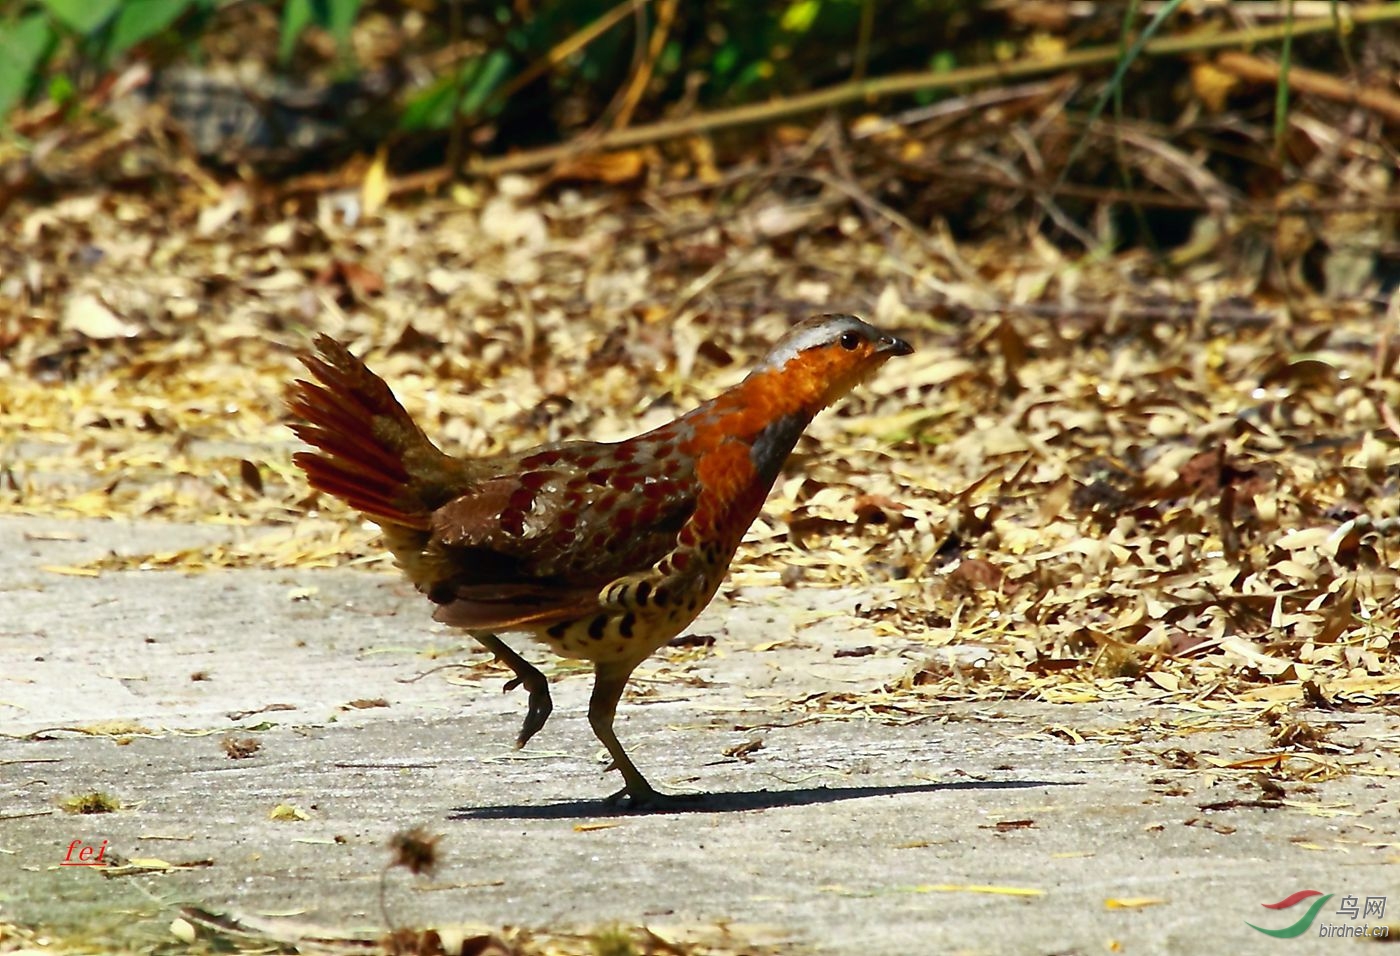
1378, 101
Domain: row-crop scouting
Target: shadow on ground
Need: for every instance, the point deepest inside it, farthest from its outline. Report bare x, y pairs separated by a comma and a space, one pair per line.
731, 801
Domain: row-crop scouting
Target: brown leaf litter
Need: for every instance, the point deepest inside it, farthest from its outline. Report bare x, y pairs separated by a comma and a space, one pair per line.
1082, 493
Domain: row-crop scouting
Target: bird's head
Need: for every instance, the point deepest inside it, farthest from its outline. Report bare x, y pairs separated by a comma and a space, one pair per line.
826, 356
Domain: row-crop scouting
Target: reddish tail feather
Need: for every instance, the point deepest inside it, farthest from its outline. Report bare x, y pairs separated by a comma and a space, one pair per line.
363, 436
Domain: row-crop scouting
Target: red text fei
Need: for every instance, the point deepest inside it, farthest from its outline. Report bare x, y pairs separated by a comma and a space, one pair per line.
85, 854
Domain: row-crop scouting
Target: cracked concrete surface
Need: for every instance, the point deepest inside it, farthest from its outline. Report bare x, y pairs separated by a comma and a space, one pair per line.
838, 834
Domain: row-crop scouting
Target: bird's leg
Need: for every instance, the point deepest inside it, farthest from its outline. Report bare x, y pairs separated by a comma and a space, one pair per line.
527, 674
609, 681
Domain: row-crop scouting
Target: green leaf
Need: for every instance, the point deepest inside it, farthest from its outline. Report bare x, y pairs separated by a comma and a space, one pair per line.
670, 61
21, 49
142, 19
726, 58
296, 16
753, 73
478, 78
494, 67
943, 61
84, 16
61, 89
798, 17
426, 109
340, 17
336, 16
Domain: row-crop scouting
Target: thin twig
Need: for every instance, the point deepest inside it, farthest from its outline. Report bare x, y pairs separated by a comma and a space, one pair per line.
867, 26
1281, 93
1314, 83
636, 86
566, 48
957, 106
875, 208
456, 135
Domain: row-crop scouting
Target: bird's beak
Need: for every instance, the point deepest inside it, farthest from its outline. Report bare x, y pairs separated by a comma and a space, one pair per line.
891, 345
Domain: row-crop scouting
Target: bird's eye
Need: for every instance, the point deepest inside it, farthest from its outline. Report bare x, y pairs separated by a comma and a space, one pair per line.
849, 341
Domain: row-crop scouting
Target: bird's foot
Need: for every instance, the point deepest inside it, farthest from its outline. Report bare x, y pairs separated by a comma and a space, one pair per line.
540, 707
649, 799
538, 712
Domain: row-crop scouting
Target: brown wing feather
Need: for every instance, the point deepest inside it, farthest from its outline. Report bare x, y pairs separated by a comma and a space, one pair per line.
504, 607
538, 544
578, 517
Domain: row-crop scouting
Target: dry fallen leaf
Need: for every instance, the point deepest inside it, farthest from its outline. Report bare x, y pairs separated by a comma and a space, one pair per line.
89, 316
1133, 902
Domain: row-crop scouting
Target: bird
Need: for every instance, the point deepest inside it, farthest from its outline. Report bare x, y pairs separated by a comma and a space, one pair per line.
603, 551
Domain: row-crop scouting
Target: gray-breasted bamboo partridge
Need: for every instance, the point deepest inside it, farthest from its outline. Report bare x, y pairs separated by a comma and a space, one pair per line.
604, 551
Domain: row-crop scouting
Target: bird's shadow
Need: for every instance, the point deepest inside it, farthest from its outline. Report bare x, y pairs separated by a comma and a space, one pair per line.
732, 800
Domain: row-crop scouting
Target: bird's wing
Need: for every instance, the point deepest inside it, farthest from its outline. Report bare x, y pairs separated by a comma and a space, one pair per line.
537, 541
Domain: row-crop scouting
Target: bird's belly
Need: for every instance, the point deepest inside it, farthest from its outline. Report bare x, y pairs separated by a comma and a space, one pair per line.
614, 635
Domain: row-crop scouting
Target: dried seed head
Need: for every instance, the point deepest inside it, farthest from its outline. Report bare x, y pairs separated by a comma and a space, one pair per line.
415, 850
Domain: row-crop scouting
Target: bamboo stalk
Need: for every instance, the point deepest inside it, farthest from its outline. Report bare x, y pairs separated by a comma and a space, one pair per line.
902, 83
856, 90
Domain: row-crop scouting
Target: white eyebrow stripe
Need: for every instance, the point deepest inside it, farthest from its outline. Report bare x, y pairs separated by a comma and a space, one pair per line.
812, 334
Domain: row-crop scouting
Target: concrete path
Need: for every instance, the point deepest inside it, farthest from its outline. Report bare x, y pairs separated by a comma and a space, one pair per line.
1011, 827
